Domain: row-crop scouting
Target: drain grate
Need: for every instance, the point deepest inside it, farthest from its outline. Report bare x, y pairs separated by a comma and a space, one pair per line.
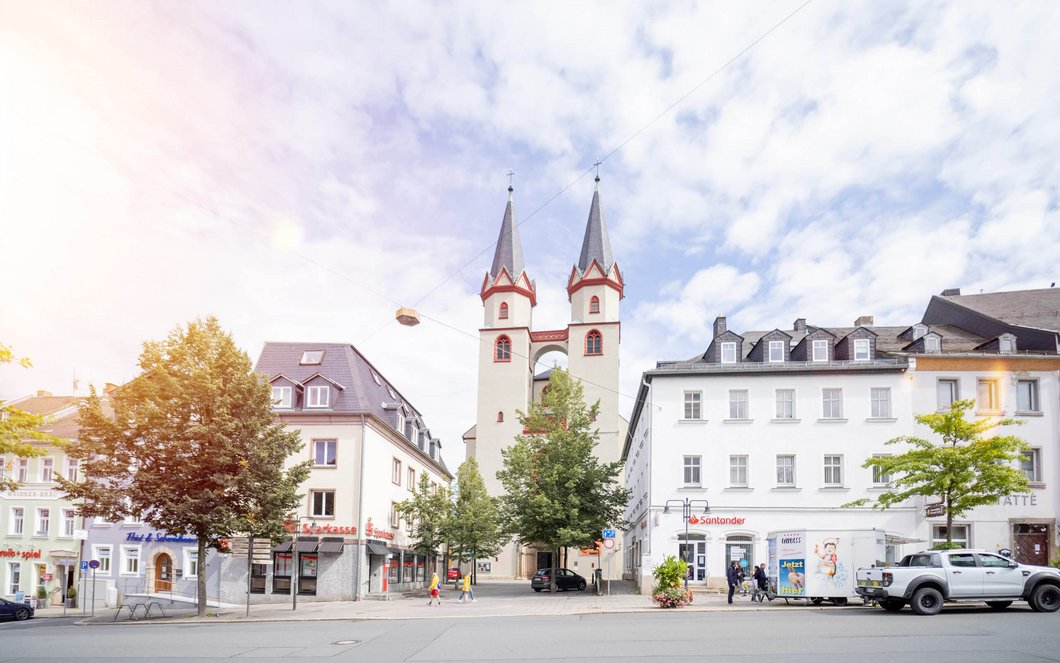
346, 642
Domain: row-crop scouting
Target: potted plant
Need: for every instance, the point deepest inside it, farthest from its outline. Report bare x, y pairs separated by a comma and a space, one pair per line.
668, 591
71, 597
42, 597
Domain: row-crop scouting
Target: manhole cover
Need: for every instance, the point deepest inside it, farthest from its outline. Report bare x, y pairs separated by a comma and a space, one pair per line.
346, 642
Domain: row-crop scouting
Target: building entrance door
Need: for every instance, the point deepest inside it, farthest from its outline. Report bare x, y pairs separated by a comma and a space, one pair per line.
163, 573
694, 552
544, 560
1032, 543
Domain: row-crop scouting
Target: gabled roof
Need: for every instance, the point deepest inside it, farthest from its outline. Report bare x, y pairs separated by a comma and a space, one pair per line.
596, 245
509, 253
1039, 309
61, 414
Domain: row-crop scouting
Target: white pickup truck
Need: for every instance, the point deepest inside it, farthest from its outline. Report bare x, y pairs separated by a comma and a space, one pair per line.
925, 579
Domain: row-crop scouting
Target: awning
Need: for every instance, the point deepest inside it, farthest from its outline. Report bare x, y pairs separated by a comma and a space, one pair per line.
306, 544
377, 549
331, 544
283, 547
896, 540
67, 554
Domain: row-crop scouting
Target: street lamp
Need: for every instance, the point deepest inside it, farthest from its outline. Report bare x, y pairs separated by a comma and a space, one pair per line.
686, 513
295, 570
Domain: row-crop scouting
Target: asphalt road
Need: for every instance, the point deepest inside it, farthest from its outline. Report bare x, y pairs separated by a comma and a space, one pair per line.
866, 636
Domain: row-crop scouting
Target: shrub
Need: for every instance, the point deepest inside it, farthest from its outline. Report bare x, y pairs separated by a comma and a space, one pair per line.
71, 593
673, 597
671, 573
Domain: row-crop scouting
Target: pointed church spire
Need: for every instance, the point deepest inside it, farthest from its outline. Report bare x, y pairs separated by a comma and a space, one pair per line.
509, 249
596, 245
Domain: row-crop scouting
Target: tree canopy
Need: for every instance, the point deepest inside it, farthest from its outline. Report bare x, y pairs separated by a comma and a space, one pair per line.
557, 492
427, 514
18, 429
191, 447
966, 468
475, 528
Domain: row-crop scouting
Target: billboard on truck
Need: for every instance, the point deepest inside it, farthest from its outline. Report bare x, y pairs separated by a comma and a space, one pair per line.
820, 564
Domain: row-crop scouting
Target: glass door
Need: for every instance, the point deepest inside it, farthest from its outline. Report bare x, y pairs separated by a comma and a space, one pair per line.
694, 552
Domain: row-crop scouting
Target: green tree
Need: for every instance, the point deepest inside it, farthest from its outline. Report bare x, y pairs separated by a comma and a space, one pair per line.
965, 469
427, 514
18, 429
557, 492
475, 528
191, 447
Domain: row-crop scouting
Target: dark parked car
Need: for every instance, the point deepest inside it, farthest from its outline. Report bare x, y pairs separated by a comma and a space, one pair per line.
16, 611
565, 579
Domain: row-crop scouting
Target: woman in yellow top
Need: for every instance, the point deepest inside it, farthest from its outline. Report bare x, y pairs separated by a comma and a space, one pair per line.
466, 589
433, 588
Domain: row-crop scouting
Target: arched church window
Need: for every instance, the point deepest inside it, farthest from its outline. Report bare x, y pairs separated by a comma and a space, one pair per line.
503, 349
594, 304
594, 343
503, 313
500, 416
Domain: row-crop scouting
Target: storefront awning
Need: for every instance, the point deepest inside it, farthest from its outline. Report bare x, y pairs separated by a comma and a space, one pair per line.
283, 547
64, 554
306, 544
331, 544
377, 549
895, 540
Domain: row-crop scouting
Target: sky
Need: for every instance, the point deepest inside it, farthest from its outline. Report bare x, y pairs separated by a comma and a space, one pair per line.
300, 170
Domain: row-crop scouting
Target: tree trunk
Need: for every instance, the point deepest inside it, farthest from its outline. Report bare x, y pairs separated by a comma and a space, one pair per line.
552, 572
949, 522
200, 581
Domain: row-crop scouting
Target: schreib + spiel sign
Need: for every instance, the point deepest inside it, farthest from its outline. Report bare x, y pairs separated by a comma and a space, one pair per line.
24, 554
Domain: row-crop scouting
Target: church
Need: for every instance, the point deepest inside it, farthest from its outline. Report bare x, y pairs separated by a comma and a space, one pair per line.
509, 377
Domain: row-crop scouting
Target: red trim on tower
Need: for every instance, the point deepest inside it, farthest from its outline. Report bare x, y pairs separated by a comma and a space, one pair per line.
575, 282
545, 336
502, 349
594, 343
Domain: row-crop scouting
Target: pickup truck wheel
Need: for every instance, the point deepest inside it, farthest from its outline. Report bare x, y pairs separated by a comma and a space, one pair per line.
892, 605
999, 605
1045, 598
926, 601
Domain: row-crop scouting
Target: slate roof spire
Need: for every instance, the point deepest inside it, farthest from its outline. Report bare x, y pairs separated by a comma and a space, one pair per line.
509, 249
596, 245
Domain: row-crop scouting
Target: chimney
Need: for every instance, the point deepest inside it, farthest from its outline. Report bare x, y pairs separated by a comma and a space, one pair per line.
950, 292
800, 325
43, 394
109, 387
719, 326
863, 321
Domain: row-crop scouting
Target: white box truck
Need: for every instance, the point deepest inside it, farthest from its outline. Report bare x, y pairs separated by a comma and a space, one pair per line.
819, 565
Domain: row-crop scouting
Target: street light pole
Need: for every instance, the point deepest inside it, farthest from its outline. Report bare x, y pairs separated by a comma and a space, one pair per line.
686, 513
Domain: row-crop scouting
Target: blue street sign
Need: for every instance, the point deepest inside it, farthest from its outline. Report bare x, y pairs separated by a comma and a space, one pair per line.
609, 533
84, 565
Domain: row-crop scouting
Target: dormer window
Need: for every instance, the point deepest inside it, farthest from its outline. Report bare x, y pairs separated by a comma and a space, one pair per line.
776, 351
311, 358
931, 344
502, 350
415, 433
594, 304
861, 349
594, 343
728, 352
400, 426
281, 398
1006, 344
318, 396
502, 313
820, 350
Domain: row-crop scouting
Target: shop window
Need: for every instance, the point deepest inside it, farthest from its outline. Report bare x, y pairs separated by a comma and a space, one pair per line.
503, 313
502, 350
408, 570
258, 578
959, 535
594, 304
281, 573
394, 572
594, 343
307, 575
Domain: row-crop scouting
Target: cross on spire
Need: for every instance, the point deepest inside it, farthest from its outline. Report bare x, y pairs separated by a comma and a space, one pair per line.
510, 174
596, 165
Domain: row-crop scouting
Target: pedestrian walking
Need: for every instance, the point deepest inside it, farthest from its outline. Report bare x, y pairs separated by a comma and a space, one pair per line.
732, 575
466, 591
434, 590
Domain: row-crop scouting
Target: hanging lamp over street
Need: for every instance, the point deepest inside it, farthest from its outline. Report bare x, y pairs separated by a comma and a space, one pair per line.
407, 316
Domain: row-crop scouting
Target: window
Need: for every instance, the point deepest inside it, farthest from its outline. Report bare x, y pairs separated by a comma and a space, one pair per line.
400, 425
132, 520
594, 304
312, 358
987, 391
728, 352
879, 477
324, 453
833, 470
281, 397
322, 503
46, 466
72, 467
861, 349
692, 470
102, 554
502, 312
282, 566
594, 343
18, 520
693, 404
959, 535
1027, 396
191, 563
500, 416
738, 471
785, 470
1006, 344
23, 470
502, 350
414, 433
820, 350
738, 404
258, 575
69, 516
130, 560
881, 403
395, 472
1031, 465
307, 574
948, 392
832, 403
931, 344
776, 351
318, 396
14, 577
43, 522
395, 516
785, 403
412, 480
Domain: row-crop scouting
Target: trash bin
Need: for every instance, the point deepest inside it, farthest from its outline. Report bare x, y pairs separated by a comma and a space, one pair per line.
598, 580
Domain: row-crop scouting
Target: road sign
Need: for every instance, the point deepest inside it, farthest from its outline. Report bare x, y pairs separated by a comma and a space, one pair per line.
81, 534
609, 534
609, 543
93, 564
84, 565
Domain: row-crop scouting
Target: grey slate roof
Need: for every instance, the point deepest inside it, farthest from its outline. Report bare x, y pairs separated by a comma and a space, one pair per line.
345, 365
595, 244
1026, 308
509, 252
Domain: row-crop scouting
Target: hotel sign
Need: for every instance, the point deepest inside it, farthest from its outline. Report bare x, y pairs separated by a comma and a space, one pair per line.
32, 494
